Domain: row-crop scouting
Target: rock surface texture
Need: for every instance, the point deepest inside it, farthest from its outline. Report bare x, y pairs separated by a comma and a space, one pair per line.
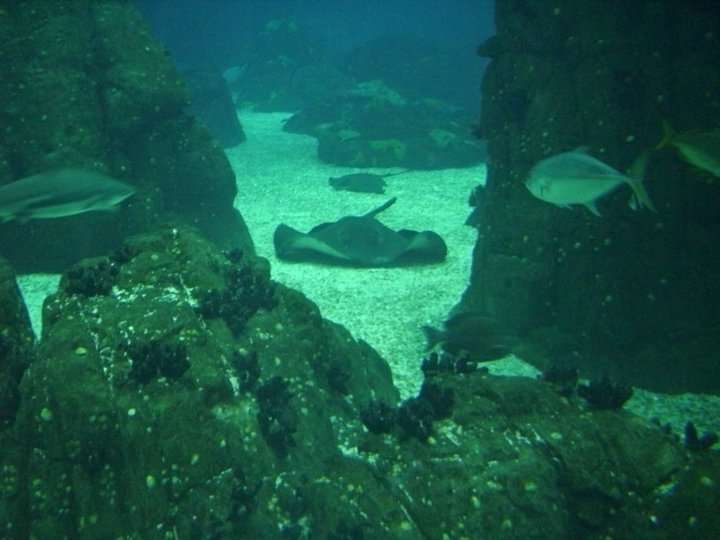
633, 294
85, 84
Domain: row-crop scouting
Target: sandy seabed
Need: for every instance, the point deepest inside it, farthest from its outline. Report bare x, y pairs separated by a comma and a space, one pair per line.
280, 180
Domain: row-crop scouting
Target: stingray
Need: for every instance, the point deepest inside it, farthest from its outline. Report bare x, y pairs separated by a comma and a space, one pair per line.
362, 182
359, 241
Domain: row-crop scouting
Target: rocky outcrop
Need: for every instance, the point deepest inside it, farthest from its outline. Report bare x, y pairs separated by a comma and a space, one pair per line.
179, 393
632, 294
16, 344
85, 84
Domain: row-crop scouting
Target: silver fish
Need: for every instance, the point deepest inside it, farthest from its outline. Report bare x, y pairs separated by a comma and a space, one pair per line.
576, 177
59, 193
699, 148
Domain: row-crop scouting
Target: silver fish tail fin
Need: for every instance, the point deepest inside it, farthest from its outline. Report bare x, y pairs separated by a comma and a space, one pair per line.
641, 195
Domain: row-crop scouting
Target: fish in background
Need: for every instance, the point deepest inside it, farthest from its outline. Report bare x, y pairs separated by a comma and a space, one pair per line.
577, 178
699, 148
363, 182
473, 333
59, 193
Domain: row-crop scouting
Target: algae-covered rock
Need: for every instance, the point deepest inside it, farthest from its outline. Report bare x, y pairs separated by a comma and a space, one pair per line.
373, 125
580, 74
16, 343
149, 415
178, 392
86, 84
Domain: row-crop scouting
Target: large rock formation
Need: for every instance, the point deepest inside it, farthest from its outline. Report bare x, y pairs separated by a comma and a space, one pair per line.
633, 294
179, 393
16, 344
85, 84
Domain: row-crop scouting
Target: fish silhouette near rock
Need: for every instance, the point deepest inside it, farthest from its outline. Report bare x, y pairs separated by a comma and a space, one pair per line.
472, 333
577, 178
59, 193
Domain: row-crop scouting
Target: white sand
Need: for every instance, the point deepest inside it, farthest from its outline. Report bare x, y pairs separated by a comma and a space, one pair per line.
281, 180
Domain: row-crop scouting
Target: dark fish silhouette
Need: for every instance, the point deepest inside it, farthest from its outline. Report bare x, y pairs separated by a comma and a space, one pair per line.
362, 182
59, 193
473, 333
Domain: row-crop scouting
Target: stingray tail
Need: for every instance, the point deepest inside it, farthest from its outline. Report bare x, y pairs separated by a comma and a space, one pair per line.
384, 206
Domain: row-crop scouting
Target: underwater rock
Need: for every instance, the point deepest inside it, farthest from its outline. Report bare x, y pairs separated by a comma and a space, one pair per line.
561, 377
153, 359
605, 393
16, 343
124, 110
697, 442
212, 103
374, 126
90, 277
248, 288
135, 392
379, 417
445, 362
601, 94
277, 418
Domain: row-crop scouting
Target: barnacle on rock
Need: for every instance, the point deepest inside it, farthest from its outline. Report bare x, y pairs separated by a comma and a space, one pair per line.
155, 359
379, 417
338, 377
415, 417
446, 362
278, 422
247, 368
91, 277
605, 394
248, 288
563, 378
696, 442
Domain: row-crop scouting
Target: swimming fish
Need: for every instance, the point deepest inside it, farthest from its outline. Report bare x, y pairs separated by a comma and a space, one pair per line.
359, 182
474, 333
699, 148
578, 178
362, 182
59, 193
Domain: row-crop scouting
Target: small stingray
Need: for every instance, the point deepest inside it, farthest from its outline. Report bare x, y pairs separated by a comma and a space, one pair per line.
359, 241
361, 182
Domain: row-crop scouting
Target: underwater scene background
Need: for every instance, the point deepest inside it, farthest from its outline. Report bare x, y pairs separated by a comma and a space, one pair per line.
359, 269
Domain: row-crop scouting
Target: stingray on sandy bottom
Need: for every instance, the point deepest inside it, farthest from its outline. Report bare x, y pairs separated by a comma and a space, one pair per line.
362, 182
359, 241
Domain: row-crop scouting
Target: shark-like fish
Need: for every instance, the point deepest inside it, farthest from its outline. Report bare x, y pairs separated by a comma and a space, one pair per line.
59, 193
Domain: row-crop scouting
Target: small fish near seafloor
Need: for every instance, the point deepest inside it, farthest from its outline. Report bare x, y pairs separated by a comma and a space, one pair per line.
576, 177
59, 193
473, 333
362, 182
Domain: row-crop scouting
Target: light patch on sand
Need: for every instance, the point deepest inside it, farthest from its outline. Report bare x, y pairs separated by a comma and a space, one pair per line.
281, 180
35, 288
